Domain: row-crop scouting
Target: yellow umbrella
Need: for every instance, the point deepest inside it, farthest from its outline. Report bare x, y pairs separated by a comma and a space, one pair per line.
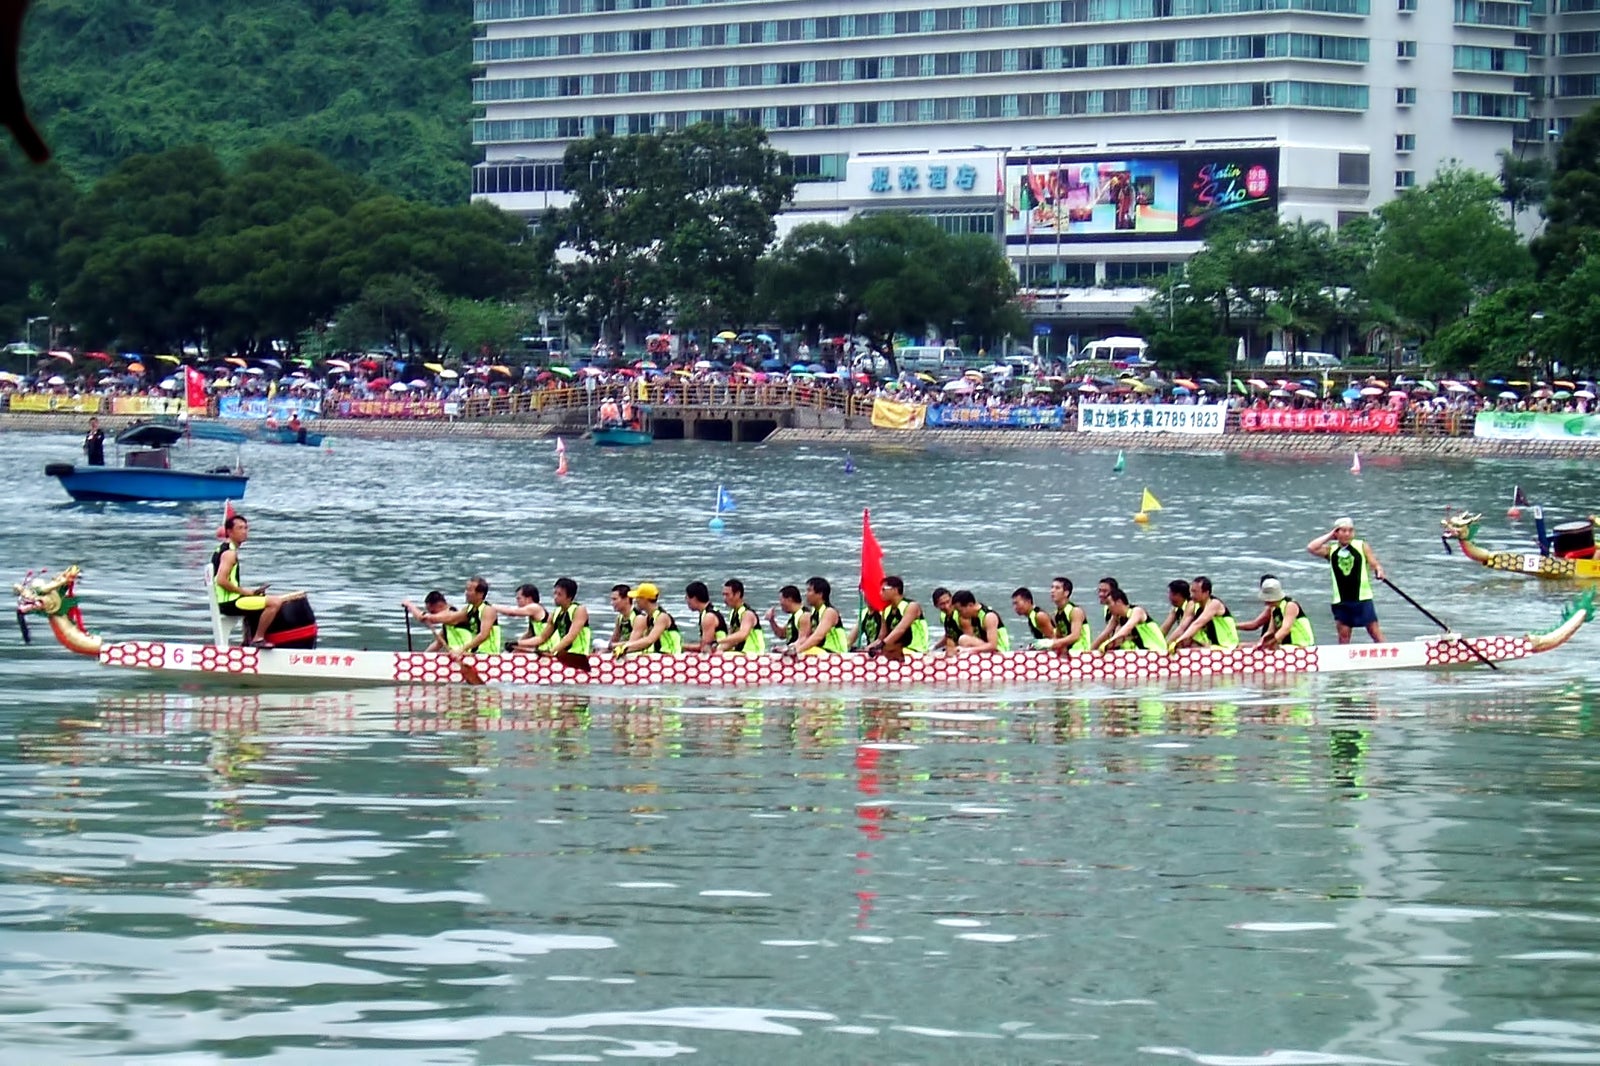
435, 367
136, 368
236, 361
174, 360
929, 378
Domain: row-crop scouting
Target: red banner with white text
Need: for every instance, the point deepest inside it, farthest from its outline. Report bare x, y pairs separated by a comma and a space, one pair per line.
391, 409
1312, 420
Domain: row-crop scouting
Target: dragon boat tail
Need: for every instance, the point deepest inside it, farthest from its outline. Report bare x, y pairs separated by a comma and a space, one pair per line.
54, 599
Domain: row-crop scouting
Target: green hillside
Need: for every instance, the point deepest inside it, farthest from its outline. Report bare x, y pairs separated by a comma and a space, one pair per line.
381, 87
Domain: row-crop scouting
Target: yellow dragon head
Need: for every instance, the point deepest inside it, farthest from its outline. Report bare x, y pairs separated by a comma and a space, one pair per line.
1462, 527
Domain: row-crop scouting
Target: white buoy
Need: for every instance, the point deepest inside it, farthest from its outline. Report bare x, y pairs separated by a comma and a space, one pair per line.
1355, 464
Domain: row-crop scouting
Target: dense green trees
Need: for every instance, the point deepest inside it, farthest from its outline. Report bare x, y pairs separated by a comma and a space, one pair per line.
173, 249
380, 87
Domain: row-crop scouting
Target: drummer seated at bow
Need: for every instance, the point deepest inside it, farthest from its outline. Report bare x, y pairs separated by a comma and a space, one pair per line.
470, 630
825, 634
795, 629
1213, 625
529, 607
1134, 630
566, 629
982, 629
710, 626
1041, 628
656, 632
235, 600
903, 627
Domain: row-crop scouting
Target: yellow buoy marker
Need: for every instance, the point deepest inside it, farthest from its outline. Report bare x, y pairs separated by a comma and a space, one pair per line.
1146, 505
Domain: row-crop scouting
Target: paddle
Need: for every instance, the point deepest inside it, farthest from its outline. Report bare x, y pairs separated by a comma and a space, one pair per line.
469, 673
1430, 616
409, 646
573, 660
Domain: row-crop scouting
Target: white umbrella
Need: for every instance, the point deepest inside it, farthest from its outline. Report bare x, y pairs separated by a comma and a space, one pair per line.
1307, 393
1456, 386
1584, 394
448, 375
1508, 395
418, 383
958, 385
57, 380
170, 384
704, 364
1088, 388
1372, 390
255, 371
398, 386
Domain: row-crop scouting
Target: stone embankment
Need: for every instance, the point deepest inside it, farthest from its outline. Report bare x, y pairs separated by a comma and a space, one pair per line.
1296, 444
347, 429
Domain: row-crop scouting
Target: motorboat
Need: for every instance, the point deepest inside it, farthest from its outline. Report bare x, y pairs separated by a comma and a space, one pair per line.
143, 470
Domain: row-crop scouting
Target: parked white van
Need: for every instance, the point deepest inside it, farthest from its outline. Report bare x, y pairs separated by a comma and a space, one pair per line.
1278, 357
929, 358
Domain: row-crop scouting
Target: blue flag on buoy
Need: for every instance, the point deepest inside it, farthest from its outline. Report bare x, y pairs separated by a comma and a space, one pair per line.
1121, 463
725, 501
849, 464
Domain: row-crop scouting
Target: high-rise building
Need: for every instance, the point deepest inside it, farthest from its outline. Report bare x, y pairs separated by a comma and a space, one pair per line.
1095, 138
1565, 77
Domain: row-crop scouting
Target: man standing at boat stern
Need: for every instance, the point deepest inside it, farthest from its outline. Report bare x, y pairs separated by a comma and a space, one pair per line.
252, 604
1354, 564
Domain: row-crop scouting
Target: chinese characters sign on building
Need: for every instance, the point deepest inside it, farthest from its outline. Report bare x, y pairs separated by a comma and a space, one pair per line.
951, 176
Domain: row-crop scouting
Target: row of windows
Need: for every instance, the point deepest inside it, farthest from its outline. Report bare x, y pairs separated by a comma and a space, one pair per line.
1069, 10
957, 223
1491, 13
1489, 105
1491, 59
1003, 60
1223, 97
1577, 44
779, 31
1576, 6
547, 177
1578, 85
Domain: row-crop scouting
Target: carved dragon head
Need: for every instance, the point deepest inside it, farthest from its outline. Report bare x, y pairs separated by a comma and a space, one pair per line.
1462, 527
47, 595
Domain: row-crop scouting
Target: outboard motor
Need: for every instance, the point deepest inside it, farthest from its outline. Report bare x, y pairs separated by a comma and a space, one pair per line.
295, 626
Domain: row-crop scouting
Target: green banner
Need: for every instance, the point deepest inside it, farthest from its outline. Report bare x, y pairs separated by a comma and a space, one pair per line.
1535, 425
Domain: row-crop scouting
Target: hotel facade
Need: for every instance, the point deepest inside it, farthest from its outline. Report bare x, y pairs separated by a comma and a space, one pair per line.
1094, 139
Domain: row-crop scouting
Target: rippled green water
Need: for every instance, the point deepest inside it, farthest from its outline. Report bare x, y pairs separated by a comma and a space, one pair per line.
1323, 870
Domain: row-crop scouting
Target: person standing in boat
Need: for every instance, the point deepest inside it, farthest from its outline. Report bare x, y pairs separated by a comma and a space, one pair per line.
744, 628
1354, 564
94, 444
904, 628
566, 629
1071, 625
297, 428
710, 626
825, 634
258, 609
1135, 630
982, 629
660, 634
1212, 626
471, 630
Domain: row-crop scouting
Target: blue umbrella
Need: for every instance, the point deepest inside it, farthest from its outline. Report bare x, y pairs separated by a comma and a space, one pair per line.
1180, 391
817, 368
1351, 394
799, 368
772, 364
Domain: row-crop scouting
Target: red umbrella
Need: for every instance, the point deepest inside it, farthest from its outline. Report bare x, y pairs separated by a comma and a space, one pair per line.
378, 383
101, 356
369, 364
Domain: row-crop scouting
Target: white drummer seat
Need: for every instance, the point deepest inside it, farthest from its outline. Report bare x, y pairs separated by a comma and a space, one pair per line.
222, 625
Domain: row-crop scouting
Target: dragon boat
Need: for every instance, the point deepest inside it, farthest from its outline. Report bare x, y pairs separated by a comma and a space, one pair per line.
55, 599
1567, 552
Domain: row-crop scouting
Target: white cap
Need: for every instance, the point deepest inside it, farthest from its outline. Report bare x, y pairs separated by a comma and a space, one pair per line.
1345, 523
1271, 590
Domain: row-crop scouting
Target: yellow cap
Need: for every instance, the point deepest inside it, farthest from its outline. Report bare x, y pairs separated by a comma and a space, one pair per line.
645, 591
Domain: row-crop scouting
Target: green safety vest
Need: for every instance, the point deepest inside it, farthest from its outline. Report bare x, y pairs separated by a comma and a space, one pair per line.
1300, 634
756, 642
1002, 638
534, 625
1033, 624
222, 594
622, 632
700, 623
791, 628
871, 625
1063, 621
833, 643
952, 625
582, 643
916, 635
670, 642
1220, 632
468, 632
1351, 575
1146, 635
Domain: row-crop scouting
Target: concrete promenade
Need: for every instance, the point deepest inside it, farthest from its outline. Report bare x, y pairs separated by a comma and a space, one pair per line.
1307, 444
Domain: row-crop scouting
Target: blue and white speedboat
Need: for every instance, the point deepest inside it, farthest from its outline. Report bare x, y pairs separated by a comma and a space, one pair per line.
145, 472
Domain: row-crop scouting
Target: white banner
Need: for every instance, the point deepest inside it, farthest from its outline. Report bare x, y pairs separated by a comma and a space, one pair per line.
1205, 418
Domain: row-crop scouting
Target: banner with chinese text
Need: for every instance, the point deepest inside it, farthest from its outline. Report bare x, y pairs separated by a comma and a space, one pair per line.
1009, 417
887, 414
260, 408
1535, 425
55, 401
391, 408
1194, 419
1313, 420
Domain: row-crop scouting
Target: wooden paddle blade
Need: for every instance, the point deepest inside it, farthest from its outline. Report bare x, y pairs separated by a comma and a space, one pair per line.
893, 652
469, 673
13, 112
573, 660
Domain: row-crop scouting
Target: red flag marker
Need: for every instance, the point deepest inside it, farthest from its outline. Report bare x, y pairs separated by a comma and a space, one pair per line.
871, 566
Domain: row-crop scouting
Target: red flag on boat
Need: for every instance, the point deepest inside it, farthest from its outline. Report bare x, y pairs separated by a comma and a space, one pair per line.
227, 513
194, 388
871, 566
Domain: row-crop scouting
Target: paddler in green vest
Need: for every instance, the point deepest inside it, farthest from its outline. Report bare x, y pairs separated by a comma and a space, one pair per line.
797, 626
949, 636
866, 630
1040, 627
659, 634
473, 629
1103, 592
1071, 625
1286, 625
709, 626
1183, 609
825, 634
529, 607
233, 599
628, 620
904, 628
1353, 563
1134, 631
566, 629
1213, 625
982, 629
744, 628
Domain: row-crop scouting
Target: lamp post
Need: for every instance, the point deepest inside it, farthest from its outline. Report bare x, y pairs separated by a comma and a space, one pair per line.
1537, 318
28, 357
